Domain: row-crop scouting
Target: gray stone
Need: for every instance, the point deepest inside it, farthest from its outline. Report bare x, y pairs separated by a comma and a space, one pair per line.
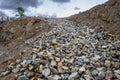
101, 75
117, 73
15, 70
87, 77
53, 63
56, 77
94, 72
49, 53
40, 54
23, 77
5, 73
46, 72
73, 76
54, 41
82, 69
65, 76
30, 74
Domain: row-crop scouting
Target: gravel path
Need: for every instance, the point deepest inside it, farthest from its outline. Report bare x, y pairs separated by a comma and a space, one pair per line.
70, 52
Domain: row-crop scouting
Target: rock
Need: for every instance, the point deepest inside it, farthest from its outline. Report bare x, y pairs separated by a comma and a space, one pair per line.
117, 64
101, 75
104, 46
30, 74
22, 69
40, 54
54, 71
107, 63
87, 77
5, 73
57, 59
36, 50
18, 66
53, 63
24, 64
73, 76
60, 64
49, 53
56, 77
33, 78
98, 56
31, 67
54, 41
109, 75
97, 64
86, 60
94, 72
60, 70
40, 79
82, 69
65, 76
71, 60
87, 72
65, 67
46, 72
34, 56
18, 61
118, 53
23, 77
15, 70
40, 69
117, 73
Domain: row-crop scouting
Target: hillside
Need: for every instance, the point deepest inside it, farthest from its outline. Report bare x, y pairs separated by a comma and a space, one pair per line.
106, 16
16, 37
76, 48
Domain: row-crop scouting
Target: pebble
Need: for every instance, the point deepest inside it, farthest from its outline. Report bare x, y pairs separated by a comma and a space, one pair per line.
82, 69
53, 63
73, 76
40, 54
31, 67
107, 63
87, 77
30, 74
57, 59
101, 75
46, 72
109, 75
60, 64
40, 69
5, 73
15, 70
54, 41
117, 73
87, 72
23, 77
56, 77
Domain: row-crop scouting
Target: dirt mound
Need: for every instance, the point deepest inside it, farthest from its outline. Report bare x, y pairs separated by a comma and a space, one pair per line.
16, 37
106, 16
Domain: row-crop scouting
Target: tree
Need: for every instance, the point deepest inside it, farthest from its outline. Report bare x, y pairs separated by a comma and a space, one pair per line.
20, 11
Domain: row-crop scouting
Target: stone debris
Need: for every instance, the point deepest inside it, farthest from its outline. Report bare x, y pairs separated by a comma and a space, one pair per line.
70, 52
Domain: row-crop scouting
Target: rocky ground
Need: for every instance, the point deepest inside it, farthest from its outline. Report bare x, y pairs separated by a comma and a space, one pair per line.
63, 49
69, 51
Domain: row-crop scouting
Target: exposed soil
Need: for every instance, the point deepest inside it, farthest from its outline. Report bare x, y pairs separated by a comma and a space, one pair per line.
16, 38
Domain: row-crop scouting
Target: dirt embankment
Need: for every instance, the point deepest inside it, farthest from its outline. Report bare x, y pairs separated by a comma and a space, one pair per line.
16, 37
106, 16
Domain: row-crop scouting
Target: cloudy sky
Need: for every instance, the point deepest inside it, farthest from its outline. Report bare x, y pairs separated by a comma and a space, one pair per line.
60, 8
